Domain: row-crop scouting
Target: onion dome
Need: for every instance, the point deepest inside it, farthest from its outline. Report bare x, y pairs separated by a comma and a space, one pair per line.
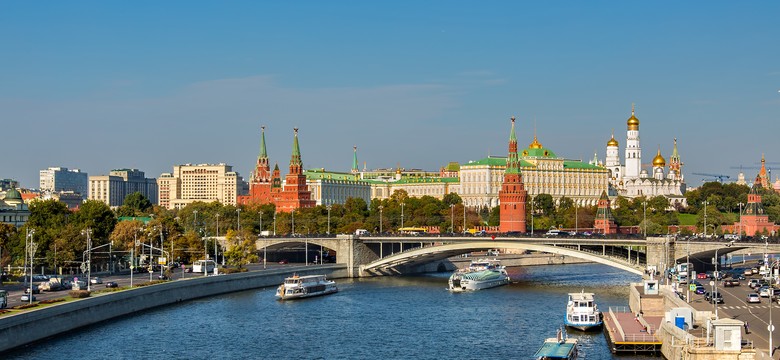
535, 144
633, 122
612, 142
658, 160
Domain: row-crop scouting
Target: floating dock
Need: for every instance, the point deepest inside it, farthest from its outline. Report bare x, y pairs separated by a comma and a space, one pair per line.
628, 333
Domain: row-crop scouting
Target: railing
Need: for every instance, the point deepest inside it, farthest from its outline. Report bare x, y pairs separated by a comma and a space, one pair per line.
615, 320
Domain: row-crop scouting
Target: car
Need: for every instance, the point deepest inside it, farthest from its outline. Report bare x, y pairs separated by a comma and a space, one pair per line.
701, 276
111, 284
748, 272
26, 297
96, 280
283, 261
753, 298
753, 283
754, 270
162, 277
700, 290
188, 269
765, 291
714, 298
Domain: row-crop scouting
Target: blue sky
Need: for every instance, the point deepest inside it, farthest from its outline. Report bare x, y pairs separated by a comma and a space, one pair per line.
149, 84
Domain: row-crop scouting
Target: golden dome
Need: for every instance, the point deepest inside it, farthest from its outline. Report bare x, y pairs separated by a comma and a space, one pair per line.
658, 160
535, 144
633, 122
612, 141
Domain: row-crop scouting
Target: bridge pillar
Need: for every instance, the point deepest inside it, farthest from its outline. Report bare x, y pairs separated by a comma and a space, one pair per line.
354, 253
660, 252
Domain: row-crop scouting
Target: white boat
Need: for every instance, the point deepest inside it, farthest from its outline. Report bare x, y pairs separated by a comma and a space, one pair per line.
582, 312
481, 274
296, 287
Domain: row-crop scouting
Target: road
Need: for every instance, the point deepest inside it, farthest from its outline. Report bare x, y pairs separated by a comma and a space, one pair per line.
735, 306
15, 291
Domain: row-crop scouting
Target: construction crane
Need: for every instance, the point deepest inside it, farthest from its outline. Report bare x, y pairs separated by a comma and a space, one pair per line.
720, 177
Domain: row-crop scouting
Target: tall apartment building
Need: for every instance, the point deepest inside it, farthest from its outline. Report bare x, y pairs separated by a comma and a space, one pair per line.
203, 182
113, 188
59, 179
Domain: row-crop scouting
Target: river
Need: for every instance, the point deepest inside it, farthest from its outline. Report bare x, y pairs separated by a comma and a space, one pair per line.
375, 318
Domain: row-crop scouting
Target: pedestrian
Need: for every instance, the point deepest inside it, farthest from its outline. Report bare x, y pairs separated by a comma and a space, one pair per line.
747, 328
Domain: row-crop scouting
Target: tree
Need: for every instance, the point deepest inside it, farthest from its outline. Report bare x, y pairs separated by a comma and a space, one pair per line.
135, 204
96, 215
451, 199
8, 233
240, 250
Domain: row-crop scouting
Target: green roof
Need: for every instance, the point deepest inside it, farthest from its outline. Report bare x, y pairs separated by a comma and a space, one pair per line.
143, 219
575, 164
542, 152
495, 161
319, 174
453, 166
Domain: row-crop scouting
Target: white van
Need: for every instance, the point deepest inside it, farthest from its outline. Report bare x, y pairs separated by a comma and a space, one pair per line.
552, 232
361, 232
731, 236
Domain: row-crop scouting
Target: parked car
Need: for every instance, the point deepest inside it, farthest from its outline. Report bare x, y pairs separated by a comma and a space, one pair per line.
111, 284
753, 298
715, 297
26, 297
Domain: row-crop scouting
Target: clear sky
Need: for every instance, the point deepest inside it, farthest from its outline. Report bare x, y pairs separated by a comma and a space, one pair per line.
149, 84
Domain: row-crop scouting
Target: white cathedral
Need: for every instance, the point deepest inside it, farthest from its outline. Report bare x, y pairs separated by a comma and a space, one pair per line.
631, 181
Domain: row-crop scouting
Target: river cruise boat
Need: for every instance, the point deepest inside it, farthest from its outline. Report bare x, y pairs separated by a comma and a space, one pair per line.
481, 274
559, 347
582, 312
296, 287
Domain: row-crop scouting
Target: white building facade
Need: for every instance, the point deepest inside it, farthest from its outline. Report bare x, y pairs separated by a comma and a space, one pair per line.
59, 179
203, 182
113, 188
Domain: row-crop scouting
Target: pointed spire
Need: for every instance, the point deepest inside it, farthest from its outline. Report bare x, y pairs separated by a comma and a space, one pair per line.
632, 108
512, 161
354, 159
263, 153
675, 155
296, 165
513, 137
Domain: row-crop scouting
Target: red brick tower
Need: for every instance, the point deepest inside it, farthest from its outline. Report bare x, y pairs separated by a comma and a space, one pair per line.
512, 195
762, 179
295, 193
260, 182
605, 222
754, 221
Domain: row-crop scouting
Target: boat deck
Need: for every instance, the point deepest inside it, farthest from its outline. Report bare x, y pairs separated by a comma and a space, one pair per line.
628, 334
554, 349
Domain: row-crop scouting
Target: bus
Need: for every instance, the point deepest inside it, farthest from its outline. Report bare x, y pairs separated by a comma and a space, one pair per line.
412, 231
203, 265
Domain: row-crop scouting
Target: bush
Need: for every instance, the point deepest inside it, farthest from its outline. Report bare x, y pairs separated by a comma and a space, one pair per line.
232, 270
51, 301
25, 306
79, 294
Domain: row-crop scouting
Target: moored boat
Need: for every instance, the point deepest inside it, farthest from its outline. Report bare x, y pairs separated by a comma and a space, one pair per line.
296, 287
582, 312
481, 274
559, 347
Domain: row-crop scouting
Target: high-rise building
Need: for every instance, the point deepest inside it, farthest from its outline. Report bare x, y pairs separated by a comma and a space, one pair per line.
7, 184
113, 188
59, 179
512, 195
203, 182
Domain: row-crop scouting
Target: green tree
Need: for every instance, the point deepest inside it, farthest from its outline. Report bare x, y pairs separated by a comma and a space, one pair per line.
98, 216
451, 199
241, 249
135, 204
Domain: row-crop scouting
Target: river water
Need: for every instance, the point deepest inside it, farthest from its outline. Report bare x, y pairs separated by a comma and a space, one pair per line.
410, 317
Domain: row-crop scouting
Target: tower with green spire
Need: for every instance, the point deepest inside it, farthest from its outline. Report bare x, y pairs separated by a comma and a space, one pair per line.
295, 193
604, 223
355, 169
512, 196
260, 179
675, 165
262, 173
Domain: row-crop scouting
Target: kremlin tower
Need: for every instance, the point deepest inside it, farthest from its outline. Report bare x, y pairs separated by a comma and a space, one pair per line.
512, 195
762, 179
295, 193
754, 220
604, 220
260, 180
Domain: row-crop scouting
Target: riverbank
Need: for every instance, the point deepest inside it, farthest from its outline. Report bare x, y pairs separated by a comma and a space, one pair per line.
27, 327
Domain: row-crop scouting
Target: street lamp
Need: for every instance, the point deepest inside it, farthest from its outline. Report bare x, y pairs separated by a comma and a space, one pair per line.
464, 218
716, 260
644, 217
274, 221
771, 327
532, 215
292, 225
328, 208
452, 218
265, 253
30, 249
705, 217
740, 220
380, 219
88, 233
402, 214
238, 220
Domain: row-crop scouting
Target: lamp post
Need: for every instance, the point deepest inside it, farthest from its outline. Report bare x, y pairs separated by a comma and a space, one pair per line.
464, 218
265, 253
88, 233
688, 267
532, 215
452, 218
644, 218
328, 208
402, 215
274, 221
705, 218
771, 327
576, 218
215, 241
716, 261
293, 222
238, 220
30, 249
380, 219
740, 221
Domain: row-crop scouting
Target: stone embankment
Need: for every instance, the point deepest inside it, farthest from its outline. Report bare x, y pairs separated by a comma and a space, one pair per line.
18, 330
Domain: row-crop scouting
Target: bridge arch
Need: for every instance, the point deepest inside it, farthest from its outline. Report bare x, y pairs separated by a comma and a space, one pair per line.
420, 255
